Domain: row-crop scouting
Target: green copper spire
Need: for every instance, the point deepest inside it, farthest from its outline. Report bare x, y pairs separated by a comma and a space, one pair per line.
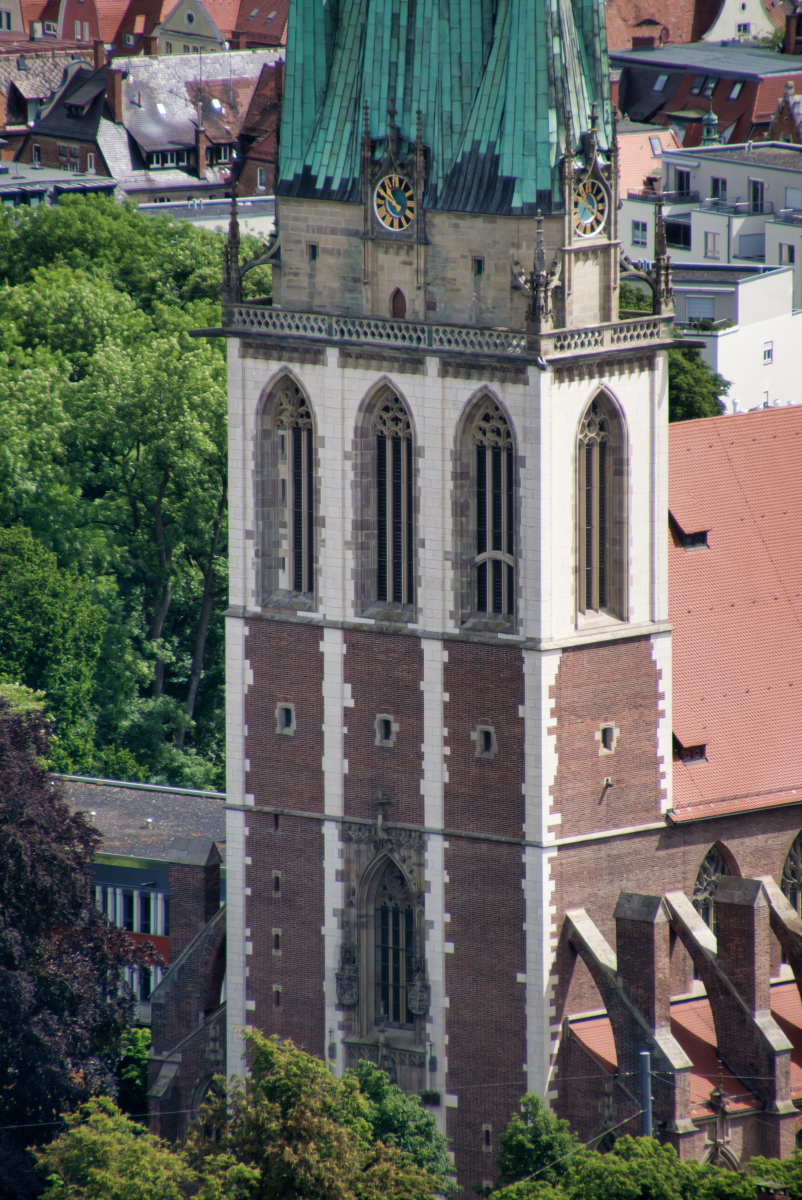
495, 81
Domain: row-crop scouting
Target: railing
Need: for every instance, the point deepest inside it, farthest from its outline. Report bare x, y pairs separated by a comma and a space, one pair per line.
788, 216
667, 197
743, 208
409, 335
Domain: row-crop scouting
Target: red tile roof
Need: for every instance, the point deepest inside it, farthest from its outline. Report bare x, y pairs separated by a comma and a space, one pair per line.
145, 13
736, 609
111, 14
635, 157
692, 1026
224, 14
264, 21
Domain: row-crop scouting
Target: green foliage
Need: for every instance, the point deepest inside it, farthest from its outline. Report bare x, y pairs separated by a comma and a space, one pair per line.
105, 1156
50, 637
134, 1048
634, 297
694, 390
399, 1120
535, 1142
301, 1132
113, 455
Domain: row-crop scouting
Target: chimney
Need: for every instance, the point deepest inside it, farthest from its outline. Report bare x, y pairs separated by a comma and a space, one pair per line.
743, 936
99, 54
114, 93
150, 44
643, 940
789, 42
239, 40
200, 151
35, 31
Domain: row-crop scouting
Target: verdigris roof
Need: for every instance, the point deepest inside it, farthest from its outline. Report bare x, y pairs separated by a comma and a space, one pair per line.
495, 81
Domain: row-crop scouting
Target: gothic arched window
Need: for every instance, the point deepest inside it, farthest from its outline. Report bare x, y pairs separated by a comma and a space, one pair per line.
600, 503
395, 557
494, 521
714, 865
288, 491
394, 937
792, 875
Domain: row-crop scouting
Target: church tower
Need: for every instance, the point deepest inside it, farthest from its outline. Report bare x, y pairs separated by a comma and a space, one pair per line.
448, 683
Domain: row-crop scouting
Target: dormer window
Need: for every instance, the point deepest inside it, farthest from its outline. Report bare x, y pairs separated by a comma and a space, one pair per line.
695, 541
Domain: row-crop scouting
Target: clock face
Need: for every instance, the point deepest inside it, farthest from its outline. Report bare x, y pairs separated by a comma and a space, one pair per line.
590, 208
395, 202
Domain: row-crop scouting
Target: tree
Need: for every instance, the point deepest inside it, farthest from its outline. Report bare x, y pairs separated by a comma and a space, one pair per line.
535, 1143
63, 1006
103, 1155
694, 390
134, 1049
302, 1132
399, 1120
50, 638
631, 296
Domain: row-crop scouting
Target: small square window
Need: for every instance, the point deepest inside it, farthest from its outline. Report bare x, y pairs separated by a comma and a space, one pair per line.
768, 353
311, 250
478, 266
744, 29
285, 719
486, 744
386, 729
639, 233
660, 83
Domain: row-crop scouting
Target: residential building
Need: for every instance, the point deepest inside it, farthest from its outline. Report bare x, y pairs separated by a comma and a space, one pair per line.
31, 77
751, 332
786, 124
261, 23
640, 24
158, 873
166, 128
678, 85
737, 205
640, 155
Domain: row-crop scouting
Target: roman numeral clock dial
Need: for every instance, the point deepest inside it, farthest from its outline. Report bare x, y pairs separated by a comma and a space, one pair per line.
394, 201
590, 208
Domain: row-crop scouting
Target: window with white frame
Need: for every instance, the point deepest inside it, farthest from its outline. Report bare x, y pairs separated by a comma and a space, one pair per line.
700, 308
768, 353
639, 233
787, 254
261, 179
718, 188
735, 90
660, 83
712, 245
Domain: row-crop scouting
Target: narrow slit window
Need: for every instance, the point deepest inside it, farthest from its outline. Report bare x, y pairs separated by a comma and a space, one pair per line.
607, 737
487, 741
494, 530
394, 504
394, 949
276, 885
386, 729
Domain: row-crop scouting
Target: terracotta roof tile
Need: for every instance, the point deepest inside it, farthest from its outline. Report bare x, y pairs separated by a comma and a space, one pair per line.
111, 14
736, 609
786, 1009
636, 159
264, 21
596, 1033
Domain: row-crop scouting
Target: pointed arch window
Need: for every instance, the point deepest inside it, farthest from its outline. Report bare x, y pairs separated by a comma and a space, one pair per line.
792, 875
294, 425
600, 504
714, 865
494, 504
394, 933
394, 502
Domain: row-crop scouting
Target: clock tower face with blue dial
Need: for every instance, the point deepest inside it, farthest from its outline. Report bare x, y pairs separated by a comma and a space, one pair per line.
394, 201
590, 208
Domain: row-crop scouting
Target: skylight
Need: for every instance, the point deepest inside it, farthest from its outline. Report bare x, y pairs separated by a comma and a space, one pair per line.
161, 109
216, 105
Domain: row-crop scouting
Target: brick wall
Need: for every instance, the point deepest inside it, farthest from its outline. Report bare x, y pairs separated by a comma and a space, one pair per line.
614, 683
287, 668
385, 676
50, 157
194, 899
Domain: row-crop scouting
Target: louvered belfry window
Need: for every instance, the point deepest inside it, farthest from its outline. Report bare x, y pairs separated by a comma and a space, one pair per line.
495, 512
594, 504
294, 423
394, 504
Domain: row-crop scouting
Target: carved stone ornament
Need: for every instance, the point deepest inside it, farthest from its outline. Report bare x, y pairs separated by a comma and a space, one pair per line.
418, 992
348, 977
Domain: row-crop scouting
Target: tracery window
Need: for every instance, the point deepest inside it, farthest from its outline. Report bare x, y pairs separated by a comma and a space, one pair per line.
494, 524
600, 505
792, 875
294, 424
394, 931
714, 865
394, 503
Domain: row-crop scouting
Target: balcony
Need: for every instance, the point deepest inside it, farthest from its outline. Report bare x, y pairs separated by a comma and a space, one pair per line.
650, 197
741, 208
244, 320
788, 216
